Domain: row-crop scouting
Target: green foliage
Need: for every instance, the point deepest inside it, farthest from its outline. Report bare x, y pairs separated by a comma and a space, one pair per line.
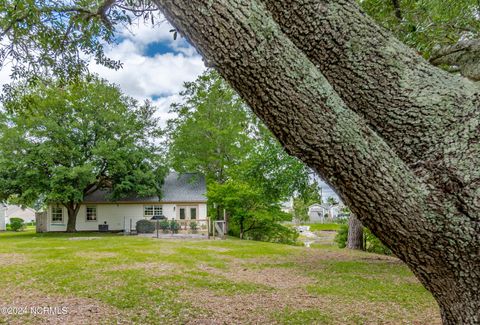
60, 37
59, 142
17, 224
209, 133
274, 232
251, 216
342, 236
372, 243
193, 226
248, 172
174, 226
164, 225
145, 227
427, 24
310, 195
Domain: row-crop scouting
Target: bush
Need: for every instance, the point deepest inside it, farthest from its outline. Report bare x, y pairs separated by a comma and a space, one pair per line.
374, 244
193, 226
145, 227
342, 236
17, 224
164, 225
174, 226
273, 232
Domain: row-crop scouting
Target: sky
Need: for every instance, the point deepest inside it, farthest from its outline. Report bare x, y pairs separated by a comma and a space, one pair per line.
155, 66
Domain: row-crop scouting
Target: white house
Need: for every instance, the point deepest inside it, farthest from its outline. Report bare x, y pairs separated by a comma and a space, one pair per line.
3, 209
183, 199
319, 212
15, 211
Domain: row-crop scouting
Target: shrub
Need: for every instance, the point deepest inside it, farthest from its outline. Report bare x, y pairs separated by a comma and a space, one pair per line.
275, 233
164, 225
193, 226
174, 226
374, 244
145, 227
17, 224
342, 236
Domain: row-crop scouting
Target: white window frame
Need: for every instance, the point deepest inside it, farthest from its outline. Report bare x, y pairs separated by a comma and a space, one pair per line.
86, 213
154, 210
56, 214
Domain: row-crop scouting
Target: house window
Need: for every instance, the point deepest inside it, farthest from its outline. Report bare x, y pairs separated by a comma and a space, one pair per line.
193, 213
57, 215
182, 213
152, 210
92, 213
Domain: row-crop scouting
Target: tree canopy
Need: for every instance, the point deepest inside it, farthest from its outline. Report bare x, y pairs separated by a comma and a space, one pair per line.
248, 172
63, 142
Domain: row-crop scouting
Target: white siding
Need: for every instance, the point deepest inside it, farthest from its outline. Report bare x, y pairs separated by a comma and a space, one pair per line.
117, 216
2, 218
202, 211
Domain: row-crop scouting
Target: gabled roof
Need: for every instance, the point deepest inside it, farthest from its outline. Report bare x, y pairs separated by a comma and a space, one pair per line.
187, 187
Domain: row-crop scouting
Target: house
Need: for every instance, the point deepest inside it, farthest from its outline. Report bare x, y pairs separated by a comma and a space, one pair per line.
3, 209
16, 211
183, 198
320, 212
316, 213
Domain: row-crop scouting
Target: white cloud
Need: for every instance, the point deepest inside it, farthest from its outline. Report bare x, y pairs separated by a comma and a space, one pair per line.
161, 75
145, 77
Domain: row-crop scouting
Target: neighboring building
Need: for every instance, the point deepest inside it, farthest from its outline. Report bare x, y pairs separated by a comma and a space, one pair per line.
15, 211
320, 212
183, 198
316, 213
3, 209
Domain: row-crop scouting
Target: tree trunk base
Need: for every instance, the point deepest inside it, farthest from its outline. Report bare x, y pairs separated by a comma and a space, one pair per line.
355, 233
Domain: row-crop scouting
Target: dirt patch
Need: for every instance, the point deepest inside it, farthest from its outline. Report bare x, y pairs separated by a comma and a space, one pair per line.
83, 238
261, 308
277, 278
152, 268
97, 255
215, 249
37, 308
8, 259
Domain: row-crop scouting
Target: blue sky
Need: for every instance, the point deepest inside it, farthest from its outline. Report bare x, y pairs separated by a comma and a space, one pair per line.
155, 66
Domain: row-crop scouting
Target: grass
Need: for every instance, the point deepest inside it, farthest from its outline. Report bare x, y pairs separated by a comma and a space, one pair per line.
147, 281
324, 226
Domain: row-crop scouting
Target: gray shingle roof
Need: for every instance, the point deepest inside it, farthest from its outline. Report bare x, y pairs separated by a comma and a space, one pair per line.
188, 187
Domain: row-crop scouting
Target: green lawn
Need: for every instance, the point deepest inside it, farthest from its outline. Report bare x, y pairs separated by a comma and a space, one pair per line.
324, 226
116, 279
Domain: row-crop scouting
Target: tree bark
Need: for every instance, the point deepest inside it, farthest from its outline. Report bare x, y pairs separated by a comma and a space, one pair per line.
355, 233
395, 136
72, 210
241, 228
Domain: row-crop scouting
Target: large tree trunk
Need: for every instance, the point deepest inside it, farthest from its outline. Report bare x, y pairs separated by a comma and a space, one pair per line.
72, 210
397, 138
355, 233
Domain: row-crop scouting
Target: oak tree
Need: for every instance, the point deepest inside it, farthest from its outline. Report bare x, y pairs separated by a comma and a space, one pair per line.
61, 143
396, 136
